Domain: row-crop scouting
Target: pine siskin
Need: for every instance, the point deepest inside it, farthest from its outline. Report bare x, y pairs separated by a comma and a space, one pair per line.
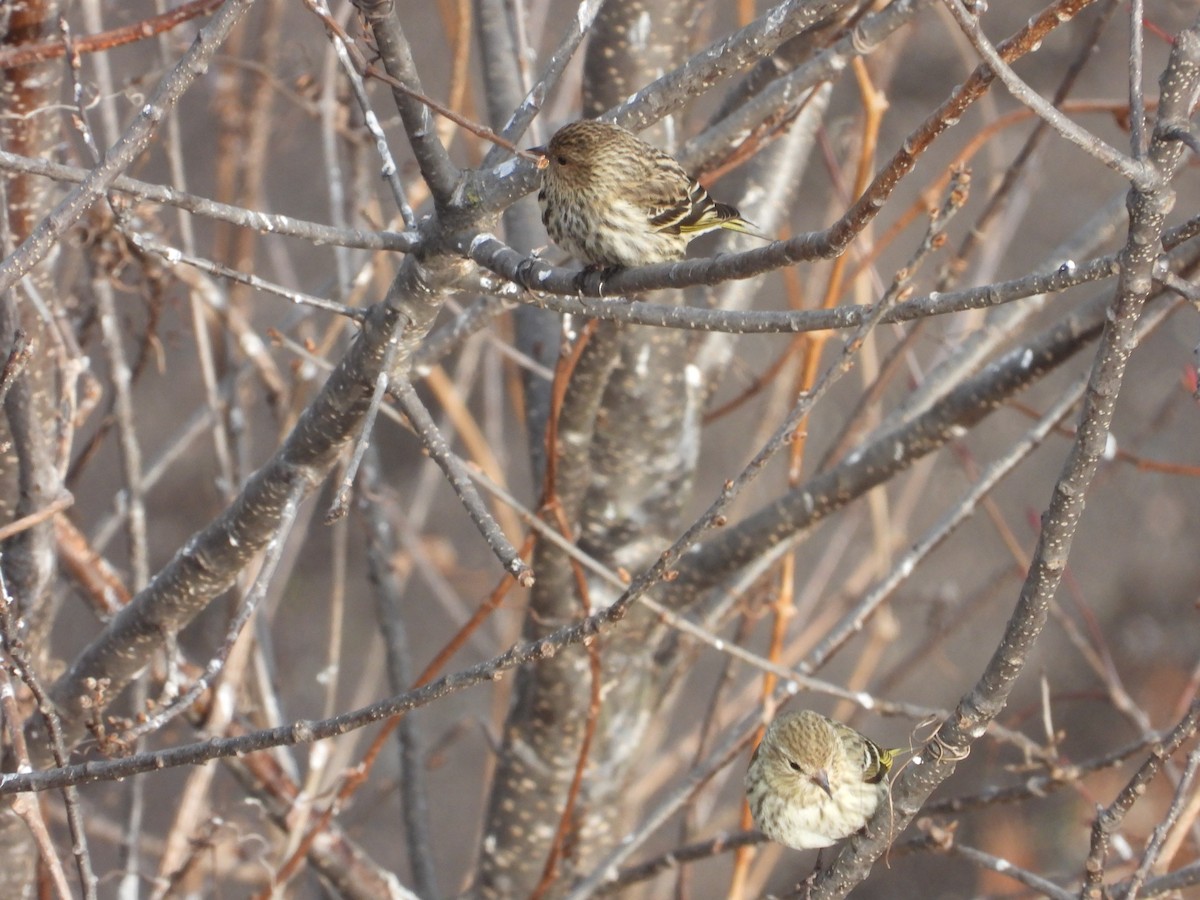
610, 199
813, 781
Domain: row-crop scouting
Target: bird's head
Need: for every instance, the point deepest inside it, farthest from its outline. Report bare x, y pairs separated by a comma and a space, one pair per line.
803, 749
579, 150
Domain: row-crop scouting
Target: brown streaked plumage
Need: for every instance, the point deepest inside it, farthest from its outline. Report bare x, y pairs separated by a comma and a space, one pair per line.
610, 199
813, 781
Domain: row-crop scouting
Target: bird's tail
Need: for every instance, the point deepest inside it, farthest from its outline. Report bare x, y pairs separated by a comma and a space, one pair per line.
730, 219
741, 226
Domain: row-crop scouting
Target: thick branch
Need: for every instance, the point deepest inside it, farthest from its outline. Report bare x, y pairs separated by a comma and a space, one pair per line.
439, 172
208, 563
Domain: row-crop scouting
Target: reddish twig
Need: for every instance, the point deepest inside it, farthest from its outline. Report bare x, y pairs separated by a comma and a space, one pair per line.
106, 40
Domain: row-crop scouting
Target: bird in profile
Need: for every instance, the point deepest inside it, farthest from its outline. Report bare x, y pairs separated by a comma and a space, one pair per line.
610, 199
813, 781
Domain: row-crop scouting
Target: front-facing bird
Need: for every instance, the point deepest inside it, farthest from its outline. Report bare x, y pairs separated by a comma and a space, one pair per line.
813, 781
610, 199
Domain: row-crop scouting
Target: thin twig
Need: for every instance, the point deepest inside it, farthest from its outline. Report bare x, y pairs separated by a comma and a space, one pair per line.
341, 499
853, 621
50, 230
343, 48
1183, 794
678, 857
1137, 100
127, 438
1137, 173
459, 479
1109, 819
27, 807
26, 522
390, 607
15, 650
173, 255
271, 223
245, 610
29, 54
1004, 867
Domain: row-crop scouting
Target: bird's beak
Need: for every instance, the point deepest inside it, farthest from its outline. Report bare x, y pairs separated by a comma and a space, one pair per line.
821, 780
540, 153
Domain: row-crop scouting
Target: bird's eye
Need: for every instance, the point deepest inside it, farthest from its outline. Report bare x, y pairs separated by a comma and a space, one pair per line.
561, 160
795, 766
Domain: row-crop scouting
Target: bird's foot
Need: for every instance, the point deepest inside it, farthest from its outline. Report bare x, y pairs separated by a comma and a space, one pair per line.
594, 273
811, 881
525, 272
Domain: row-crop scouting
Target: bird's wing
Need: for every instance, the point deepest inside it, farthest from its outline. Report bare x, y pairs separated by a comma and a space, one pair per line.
861, 750
681, 205
690, 210
674, 202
